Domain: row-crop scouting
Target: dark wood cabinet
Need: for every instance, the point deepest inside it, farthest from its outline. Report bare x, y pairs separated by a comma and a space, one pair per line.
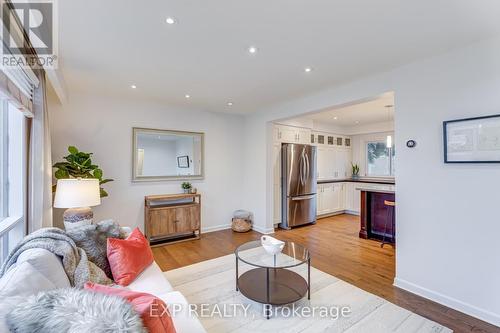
376, 217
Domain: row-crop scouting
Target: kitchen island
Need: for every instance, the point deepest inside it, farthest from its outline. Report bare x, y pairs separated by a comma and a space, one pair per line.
376, 216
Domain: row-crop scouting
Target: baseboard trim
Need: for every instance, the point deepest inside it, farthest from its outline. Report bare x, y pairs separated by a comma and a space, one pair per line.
450, 302
340, 212
216, 228
264, 231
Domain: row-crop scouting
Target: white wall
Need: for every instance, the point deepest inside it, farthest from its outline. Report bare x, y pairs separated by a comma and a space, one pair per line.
358, 143
447, 215
104, 126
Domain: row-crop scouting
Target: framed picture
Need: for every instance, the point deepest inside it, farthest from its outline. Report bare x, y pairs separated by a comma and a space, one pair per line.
183, 161
472, 140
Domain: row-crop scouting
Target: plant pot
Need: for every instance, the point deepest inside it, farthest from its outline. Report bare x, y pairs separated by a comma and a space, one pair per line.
187, 190
355, 177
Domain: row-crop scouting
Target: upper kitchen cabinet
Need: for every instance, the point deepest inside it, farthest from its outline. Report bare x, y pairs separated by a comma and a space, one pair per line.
347, 142
330, 140
325, 163
343, 159
333, 163
291, 134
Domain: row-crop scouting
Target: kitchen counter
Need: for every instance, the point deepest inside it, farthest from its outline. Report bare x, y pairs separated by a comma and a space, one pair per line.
377, 190
359, 180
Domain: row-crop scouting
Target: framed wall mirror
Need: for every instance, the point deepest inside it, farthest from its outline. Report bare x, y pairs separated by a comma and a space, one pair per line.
167, 155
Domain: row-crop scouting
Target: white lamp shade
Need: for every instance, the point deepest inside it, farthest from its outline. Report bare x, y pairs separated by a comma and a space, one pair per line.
74, 193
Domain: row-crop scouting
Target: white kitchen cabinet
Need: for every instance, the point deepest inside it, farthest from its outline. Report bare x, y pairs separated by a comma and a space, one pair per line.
333, 163
344, 197
290, 134
352, 198
320, 139
343, 158
321, 160
329, 198
304, 135
325, 199
336, 202
287, 134
325, 163
319, 199
277, 183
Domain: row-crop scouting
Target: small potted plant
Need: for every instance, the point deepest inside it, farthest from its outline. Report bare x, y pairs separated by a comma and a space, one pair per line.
186, 186
355, 171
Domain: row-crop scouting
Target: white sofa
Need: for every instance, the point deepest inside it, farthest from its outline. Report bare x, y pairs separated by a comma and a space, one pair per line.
38, 270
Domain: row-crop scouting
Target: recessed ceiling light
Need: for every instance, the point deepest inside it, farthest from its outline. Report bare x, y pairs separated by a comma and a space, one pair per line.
307, 69
170, 20
252, 49
357, 121
335, 118
230, 103
187, 96
133, 86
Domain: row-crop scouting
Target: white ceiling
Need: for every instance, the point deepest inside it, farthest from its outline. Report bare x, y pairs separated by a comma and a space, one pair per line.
375, 111
107, 46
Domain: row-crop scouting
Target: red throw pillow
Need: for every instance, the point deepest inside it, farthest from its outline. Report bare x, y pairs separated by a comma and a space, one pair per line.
128, 257
153, 311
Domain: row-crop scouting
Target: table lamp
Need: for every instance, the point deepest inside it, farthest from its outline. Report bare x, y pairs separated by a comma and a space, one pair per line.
78, 195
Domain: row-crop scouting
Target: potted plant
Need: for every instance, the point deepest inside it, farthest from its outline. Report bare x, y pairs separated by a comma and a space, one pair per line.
79, 165
186, 186
355, 171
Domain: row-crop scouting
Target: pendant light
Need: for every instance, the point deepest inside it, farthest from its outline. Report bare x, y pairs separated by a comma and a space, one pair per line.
389, 137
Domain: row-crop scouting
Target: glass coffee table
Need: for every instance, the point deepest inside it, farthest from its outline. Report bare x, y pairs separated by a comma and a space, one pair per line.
271, 282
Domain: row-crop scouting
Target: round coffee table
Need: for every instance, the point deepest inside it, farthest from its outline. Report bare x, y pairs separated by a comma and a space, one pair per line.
271, 282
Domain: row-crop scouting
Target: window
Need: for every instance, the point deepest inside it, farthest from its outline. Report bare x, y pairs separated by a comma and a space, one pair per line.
380, 159
12, 177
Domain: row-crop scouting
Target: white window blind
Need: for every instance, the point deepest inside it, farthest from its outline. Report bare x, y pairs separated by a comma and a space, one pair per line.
17, 83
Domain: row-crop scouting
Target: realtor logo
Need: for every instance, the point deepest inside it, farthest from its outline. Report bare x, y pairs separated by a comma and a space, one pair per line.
39, 22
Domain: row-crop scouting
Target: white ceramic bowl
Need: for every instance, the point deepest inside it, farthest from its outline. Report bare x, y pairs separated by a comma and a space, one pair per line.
272, 245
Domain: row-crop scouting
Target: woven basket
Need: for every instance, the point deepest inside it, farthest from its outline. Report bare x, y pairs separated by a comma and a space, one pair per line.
241, 225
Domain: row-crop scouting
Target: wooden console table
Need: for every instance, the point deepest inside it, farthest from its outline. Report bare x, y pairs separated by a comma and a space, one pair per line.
172, 218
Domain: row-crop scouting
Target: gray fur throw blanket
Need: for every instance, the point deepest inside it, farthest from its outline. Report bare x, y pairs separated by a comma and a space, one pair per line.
74, 311
74, 259
93, 238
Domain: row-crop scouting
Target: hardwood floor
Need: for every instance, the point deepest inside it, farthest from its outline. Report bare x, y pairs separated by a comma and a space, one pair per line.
335, 249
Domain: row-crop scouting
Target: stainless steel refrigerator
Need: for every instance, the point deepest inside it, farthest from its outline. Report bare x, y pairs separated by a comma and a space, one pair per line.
298, 180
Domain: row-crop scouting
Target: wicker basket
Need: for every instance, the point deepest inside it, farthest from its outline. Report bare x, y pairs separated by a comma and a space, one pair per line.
241, 225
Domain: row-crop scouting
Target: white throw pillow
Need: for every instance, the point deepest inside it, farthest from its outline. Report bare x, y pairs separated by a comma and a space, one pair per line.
23, 280
47, 264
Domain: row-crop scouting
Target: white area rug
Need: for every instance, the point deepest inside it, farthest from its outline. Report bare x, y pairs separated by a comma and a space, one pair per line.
213, 282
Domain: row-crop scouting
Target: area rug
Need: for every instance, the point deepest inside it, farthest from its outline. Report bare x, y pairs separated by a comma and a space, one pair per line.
210, 287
